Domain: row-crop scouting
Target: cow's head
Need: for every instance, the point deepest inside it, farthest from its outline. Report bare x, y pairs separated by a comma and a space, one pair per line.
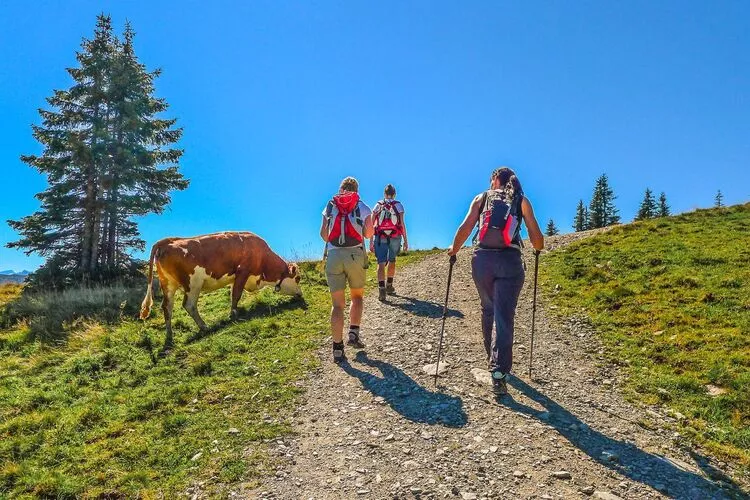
289, 282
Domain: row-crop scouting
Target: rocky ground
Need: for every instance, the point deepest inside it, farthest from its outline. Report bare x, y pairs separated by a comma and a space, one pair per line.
378, 427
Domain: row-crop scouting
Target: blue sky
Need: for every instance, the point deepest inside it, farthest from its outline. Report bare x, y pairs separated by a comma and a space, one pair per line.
280, 100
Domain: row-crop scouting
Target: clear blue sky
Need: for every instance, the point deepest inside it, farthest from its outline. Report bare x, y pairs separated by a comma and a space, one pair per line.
280, 100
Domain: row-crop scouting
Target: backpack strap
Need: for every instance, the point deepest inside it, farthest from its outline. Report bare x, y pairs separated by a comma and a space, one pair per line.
482, 209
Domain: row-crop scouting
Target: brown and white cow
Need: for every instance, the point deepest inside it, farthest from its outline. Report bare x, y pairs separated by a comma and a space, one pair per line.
209, 262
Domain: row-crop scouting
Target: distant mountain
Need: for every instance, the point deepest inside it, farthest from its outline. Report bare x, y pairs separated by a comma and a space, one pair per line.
10, 276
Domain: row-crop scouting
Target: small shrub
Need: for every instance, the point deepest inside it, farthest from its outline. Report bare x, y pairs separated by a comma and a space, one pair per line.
203, 369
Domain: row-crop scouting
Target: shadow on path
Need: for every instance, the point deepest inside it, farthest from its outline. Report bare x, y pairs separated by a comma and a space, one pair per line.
407, 397
625, 458
426, 308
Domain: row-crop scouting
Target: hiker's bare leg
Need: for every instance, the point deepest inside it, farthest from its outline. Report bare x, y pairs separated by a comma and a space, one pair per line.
355, 312
381, 272
391, 269
338, 298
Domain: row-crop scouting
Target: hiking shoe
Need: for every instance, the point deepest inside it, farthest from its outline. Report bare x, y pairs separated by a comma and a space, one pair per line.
498, 384
381, 294
338, 353
354, 340
389, 289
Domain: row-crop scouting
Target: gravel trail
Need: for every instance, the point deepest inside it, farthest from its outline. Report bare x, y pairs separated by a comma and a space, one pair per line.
377, 427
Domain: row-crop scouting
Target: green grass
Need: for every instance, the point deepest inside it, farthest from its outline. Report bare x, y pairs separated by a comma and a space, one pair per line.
671, 298
100, 414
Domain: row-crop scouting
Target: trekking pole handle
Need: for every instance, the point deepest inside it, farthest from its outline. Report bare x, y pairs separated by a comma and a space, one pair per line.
452, 260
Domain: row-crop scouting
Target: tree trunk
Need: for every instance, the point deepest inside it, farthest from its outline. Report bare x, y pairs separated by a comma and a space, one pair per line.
96, 233
112, 235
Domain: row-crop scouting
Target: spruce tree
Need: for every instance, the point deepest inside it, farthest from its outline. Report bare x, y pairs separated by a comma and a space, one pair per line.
140, 143
648, 209
551, 228
719, 199
580, 222
602, 210
102, 146
663, 210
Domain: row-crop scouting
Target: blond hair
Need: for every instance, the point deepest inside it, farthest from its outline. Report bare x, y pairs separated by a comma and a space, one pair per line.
349, 184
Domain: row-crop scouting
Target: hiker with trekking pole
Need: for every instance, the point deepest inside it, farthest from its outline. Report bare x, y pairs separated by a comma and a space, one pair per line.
496, 264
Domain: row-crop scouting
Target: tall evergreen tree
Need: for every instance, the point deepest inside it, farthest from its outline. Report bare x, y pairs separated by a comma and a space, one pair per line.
648, 208
140, 143
551, 228
719, 199
663, 210
602, 210
580, 222
102, 148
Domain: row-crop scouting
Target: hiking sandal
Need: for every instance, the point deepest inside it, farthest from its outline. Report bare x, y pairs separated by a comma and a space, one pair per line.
338, 353
354, 340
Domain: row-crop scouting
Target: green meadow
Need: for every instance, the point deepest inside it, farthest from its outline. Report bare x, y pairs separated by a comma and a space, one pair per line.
89, 408
671, 299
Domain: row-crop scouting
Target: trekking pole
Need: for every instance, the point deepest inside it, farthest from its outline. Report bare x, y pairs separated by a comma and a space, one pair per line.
533, 309
445, 314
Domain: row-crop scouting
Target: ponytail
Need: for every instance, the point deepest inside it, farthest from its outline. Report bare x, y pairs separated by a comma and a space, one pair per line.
511, 186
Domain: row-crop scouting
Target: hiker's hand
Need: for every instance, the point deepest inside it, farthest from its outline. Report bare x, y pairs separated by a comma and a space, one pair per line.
452, 251
372, 245
406, 246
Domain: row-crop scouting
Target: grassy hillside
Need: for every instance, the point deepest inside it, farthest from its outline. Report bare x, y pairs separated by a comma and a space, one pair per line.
672, 300
100, 414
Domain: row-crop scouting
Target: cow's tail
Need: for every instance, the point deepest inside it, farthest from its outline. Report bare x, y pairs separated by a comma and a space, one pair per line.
148, 300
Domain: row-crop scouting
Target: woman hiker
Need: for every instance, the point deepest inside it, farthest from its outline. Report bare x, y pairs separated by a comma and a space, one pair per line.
390, 229
496, 265
347, 222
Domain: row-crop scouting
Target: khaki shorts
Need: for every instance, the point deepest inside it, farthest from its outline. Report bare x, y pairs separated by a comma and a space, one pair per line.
345, 265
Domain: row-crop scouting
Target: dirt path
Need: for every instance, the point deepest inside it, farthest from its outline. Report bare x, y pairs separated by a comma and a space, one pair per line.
378, 428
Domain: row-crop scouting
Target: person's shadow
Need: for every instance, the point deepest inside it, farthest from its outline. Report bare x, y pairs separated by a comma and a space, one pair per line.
424, 308
625, 458
406, 396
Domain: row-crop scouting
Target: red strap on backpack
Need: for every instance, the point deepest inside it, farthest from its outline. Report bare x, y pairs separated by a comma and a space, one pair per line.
387, 226
342, 227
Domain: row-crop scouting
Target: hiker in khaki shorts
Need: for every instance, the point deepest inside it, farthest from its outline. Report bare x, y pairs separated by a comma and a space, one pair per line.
347, 223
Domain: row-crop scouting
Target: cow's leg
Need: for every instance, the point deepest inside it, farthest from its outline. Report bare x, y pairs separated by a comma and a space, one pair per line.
190, 303
167, 304
237, 288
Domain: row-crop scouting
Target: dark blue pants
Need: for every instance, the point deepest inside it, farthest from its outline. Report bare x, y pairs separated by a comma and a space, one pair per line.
499, 277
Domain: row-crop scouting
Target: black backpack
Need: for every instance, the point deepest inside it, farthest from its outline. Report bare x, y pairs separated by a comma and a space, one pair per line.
499, 221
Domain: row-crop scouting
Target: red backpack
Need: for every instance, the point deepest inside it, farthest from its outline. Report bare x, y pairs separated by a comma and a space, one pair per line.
344, 221
387, 219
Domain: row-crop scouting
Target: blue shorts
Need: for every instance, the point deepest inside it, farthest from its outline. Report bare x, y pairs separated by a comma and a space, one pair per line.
385, 252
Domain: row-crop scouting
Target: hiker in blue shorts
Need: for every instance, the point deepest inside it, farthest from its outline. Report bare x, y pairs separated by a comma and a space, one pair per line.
496, 265
390, 230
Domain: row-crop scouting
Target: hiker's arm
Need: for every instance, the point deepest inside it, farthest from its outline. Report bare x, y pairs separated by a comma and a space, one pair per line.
324, 229
535, 234
464, 230
403, 232
368, 231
